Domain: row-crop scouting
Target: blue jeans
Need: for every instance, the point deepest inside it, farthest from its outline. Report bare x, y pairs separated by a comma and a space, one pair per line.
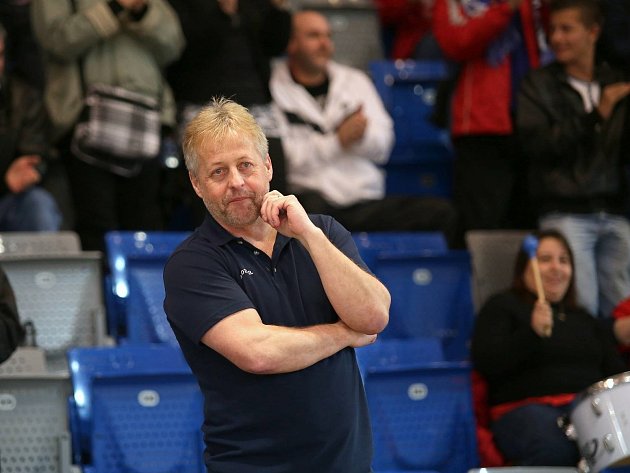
33, 210
529, 436
601, 248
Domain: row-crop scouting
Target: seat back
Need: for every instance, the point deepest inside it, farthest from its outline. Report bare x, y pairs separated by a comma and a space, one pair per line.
431, 297
143, 253
24, 361
408, 90
33, 423
373, 244
137, 408
147, 322
398, 352
421, 416
493, 253
62, 296
39, 243
421, 162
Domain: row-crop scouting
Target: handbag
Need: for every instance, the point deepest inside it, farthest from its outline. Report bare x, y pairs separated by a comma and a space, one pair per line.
118, 129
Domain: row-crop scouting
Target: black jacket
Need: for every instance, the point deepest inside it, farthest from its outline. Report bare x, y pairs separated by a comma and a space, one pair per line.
575, 158
519, 364
23, 124
220, 50
11, 331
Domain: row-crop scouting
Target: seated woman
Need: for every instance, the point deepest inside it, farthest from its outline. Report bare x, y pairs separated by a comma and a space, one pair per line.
536, 356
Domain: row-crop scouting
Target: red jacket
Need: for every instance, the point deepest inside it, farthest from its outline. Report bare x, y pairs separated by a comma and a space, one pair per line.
410, 20
482, 97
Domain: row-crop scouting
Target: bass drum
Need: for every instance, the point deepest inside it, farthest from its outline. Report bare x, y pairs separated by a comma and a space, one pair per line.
601, 419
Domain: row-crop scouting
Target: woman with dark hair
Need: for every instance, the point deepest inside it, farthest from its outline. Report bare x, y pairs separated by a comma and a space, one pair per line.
537, 355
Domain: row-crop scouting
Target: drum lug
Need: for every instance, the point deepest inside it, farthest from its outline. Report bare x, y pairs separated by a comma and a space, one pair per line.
589, 450
608, 442
595, 405
564, 422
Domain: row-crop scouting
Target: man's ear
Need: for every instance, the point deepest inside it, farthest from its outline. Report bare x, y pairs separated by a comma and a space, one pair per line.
195, 183
268, 166
597, 31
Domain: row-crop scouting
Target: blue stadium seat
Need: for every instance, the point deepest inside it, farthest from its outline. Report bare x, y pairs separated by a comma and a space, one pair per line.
399, 352
432, 179
421, 162
146, 321
431, 297
408, 90
135, 408
371, 244
422, 415
135, 291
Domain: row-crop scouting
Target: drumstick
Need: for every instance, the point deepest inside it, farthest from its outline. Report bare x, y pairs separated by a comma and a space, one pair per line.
530, 245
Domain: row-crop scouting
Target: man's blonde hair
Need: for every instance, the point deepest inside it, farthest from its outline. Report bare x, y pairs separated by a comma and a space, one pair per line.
217, 124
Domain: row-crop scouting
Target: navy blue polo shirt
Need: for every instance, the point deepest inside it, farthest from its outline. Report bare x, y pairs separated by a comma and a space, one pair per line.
311, 420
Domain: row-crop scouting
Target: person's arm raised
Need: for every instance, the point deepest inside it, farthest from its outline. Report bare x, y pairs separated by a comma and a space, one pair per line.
270, 349
360, 300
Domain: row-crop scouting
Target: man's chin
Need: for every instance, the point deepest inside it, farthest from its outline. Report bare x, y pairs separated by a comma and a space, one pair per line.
240, 217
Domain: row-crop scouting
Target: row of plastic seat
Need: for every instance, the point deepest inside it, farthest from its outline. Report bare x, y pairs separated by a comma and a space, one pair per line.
421, 162
419, 400
120, 397
431, 322
430, 286
416, 378
136, 372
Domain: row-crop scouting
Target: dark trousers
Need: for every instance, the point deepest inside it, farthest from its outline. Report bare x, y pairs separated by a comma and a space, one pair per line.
530, 436
392, 213
490, 183
104, 201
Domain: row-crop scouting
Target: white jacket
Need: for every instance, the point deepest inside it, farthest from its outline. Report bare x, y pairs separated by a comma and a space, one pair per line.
315, 159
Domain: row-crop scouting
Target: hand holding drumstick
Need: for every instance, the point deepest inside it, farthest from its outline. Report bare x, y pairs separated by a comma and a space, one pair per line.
542, 316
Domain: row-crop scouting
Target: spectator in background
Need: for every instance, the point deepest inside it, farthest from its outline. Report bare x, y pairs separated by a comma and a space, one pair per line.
11, 331
495, 44
536, 356
613, 45
24, 206
124, 43
410, 23
23, 54
335, 133
572, 118
228, 47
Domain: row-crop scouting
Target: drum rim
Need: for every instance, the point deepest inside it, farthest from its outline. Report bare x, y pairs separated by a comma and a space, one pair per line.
603, 385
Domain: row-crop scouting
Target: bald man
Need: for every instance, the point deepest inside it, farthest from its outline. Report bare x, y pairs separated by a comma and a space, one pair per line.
336, 135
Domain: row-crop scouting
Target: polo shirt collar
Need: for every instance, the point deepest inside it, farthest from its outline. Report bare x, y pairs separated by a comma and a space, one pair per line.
215, 233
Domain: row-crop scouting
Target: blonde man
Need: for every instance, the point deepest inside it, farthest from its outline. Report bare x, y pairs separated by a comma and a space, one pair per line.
268, 304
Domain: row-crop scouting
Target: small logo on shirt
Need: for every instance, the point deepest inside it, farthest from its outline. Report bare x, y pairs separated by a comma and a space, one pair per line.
246, 271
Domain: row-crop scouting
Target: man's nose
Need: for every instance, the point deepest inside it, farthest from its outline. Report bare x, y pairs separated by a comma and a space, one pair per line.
235, 179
